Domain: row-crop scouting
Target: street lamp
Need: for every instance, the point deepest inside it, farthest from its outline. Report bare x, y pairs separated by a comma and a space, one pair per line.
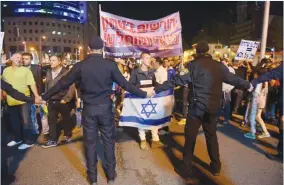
25, 46
32, 49
78, 52
40, 47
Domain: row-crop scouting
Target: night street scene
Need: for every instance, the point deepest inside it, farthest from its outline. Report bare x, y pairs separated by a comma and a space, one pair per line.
141, 93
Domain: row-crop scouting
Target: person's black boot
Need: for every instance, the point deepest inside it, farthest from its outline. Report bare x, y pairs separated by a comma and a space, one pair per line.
275, 157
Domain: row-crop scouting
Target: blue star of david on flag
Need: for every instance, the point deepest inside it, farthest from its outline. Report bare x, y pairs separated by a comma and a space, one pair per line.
152, 110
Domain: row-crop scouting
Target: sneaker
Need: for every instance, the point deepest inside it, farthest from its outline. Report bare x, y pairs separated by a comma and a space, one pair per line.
76, 130
250, 135
143, 145
111, 181
25, 146
13, 143
225, 122
65, 140
277, 157
163, 132
49, 144
157, 144
182, 122
263, 135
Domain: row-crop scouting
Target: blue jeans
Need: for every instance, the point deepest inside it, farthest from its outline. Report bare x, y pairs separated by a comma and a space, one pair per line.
252, 116
34, 119
226, 110
20, 117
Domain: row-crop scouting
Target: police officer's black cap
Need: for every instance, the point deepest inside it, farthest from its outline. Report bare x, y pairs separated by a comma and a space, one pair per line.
202, 47
96, 43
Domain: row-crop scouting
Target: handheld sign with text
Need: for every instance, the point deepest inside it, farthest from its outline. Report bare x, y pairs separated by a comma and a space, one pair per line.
247, 50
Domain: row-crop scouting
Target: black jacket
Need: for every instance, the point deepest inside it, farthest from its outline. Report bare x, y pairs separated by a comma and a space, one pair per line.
138, 75
207, 76
64, 94
37, 73
95, 76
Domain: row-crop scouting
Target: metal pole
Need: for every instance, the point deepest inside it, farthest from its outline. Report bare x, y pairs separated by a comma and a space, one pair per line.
264, 29
40, 49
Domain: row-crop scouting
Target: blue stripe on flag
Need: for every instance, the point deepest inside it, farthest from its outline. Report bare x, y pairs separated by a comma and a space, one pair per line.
153, 122
159, 95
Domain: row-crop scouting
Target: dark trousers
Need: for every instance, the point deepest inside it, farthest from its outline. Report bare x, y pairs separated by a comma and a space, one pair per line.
197, 117
54, 108
99, 118
280, 136
22, 126
238, 98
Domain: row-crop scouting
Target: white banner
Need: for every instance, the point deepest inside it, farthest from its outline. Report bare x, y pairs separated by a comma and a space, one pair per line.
125, 37
247, 50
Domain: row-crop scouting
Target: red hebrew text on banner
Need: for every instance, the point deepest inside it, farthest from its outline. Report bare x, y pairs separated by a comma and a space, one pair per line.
125, 37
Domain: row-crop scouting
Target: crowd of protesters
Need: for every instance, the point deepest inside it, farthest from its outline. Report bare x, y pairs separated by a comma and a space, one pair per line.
25, 121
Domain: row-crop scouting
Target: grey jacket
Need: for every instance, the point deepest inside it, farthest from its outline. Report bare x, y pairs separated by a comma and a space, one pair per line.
67, 95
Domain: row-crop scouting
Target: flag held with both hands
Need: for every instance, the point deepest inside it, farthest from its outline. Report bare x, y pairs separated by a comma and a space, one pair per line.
147, 113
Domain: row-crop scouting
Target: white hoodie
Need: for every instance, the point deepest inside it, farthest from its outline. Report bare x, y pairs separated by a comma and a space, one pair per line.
227, 87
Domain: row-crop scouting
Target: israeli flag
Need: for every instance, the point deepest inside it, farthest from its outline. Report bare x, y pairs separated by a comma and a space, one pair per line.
147, 113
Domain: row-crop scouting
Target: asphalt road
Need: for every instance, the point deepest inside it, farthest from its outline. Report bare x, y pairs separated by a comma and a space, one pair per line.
243, 161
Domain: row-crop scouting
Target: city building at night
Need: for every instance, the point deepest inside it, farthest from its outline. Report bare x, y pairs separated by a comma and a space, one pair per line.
49, 27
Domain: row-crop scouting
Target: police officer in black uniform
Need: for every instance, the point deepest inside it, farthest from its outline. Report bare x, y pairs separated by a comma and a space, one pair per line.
204, 76
95, 76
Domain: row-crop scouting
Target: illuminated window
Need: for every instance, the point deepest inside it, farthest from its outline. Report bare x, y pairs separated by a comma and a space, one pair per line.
65, 13
4, 5
20, 10
54, 32
64, 33
58, 33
